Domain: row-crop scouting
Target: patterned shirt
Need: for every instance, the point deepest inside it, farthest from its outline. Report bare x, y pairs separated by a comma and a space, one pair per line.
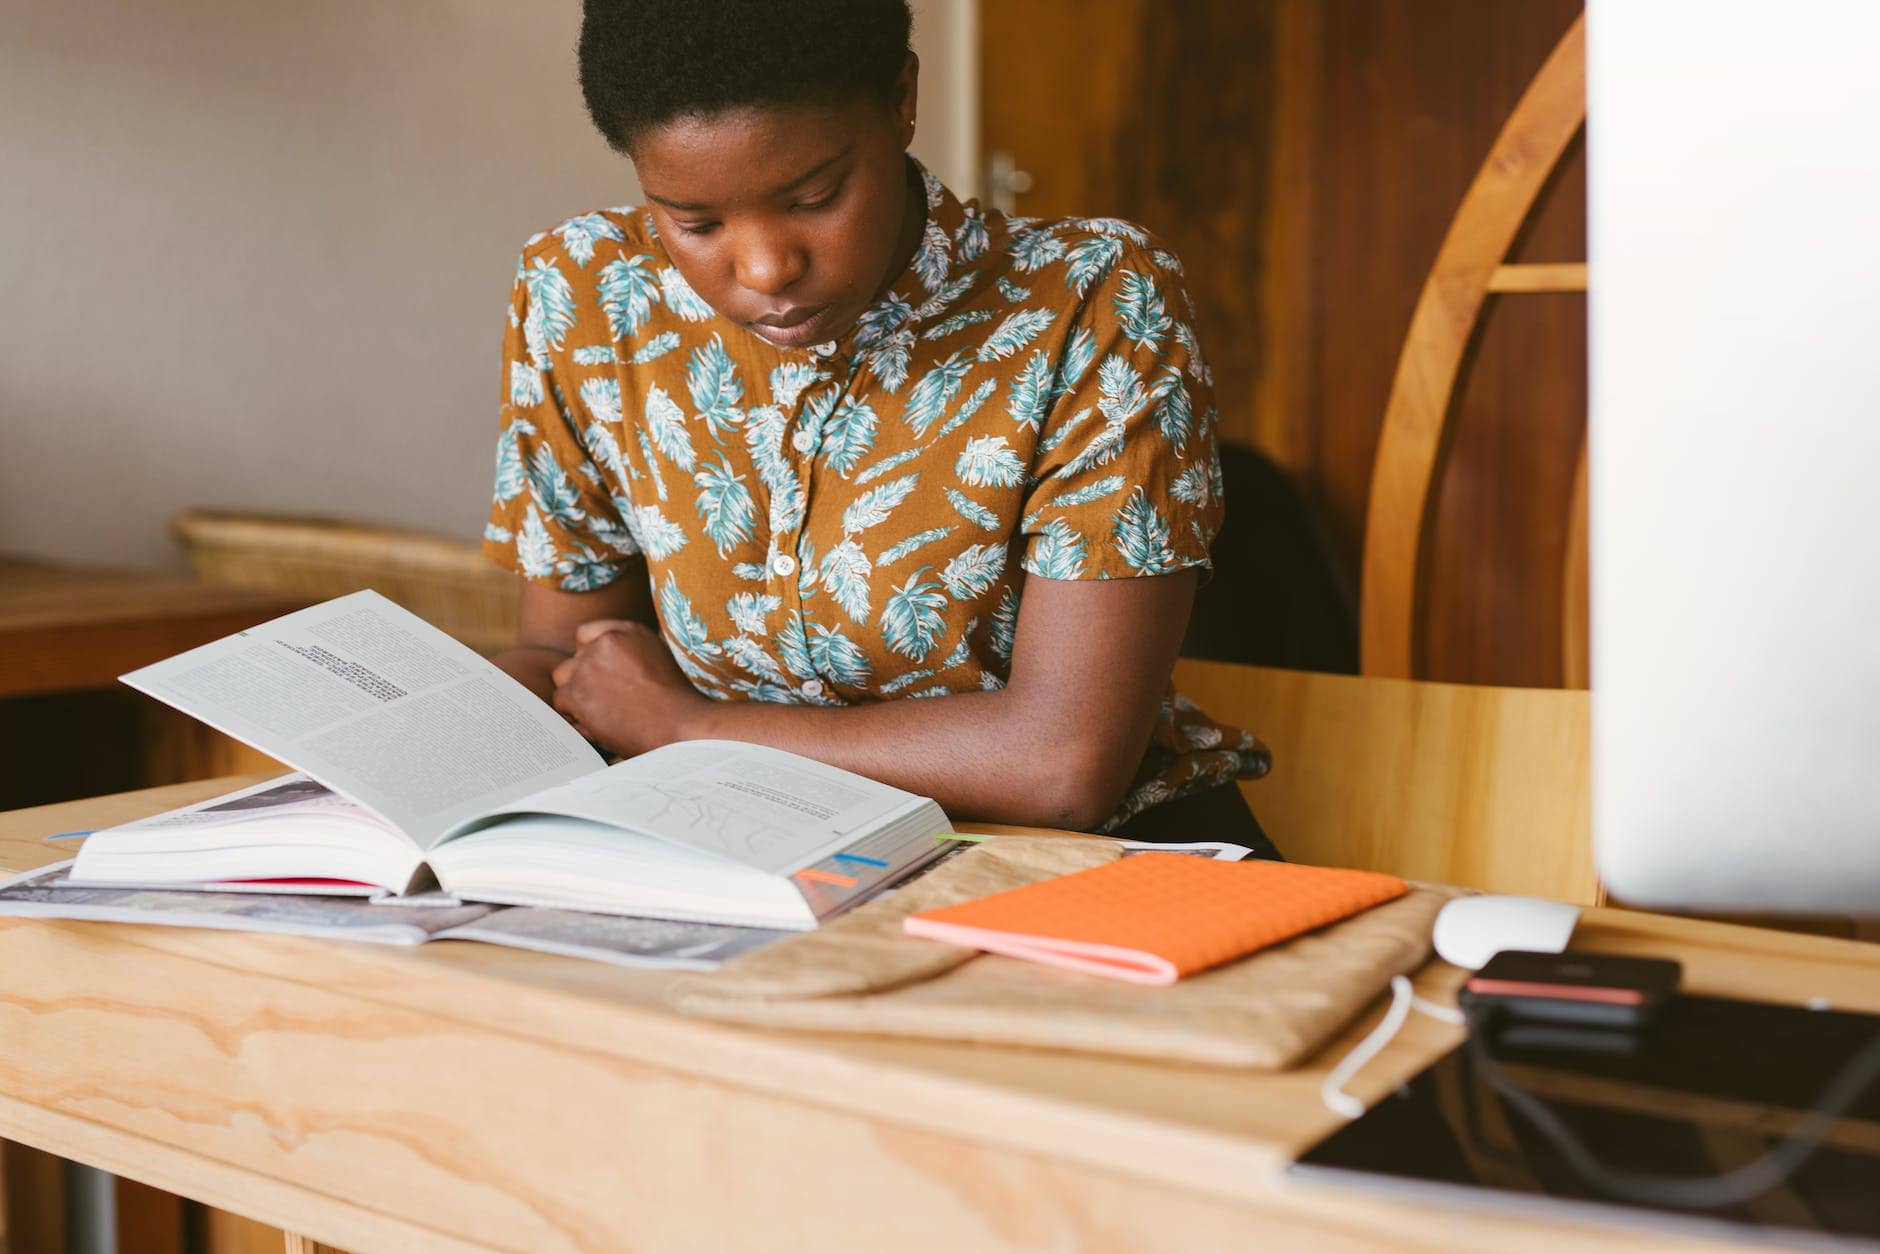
855, 521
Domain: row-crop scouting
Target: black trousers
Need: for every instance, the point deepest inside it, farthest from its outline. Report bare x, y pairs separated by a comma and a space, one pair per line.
1217, 814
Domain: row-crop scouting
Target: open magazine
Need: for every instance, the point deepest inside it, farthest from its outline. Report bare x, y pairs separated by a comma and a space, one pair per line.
418, 760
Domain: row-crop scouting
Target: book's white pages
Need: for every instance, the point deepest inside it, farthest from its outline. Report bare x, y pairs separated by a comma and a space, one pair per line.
379, 705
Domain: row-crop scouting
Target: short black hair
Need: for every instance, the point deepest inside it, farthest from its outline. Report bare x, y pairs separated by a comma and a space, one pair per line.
647, 62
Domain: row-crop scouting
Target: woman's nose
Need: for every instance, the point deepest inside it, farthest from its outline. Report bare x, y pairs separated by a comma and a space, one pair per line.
769, 267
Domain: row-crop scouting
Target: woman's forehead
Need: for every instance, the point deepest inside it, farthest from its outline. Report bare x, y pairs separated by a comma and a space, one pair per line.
747, 154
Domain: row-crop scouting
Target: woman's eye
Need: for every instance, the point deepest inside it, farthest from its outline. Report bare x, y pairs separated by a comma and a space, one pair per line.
698, 228
821, 202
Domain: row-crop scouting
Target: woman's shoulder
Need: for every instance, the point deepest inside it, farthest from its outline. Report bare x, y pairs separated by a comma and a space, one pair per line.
596, 237
1085, 246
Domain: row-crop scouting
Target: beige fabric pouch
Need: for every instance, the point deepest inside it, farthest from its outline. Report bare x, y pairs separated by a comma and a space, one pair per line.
862, 973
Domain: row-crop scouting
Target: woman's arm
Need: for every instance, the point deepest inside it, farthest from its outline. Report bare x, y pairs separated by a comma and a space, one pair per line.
1057, 746
548, 617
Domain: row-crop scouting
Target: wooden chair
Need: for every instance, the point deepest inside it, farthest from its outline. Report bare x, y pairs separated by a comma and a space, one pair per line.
1486, 787
1471, 268
445, 582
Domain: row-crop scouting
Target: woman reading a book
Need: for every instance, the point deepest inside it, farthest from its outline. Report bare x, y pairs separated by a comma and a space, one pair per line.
805, 452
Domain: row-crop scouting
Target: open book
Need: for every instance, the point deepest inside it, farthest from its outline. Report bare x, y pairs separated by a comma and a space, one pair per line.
418, 759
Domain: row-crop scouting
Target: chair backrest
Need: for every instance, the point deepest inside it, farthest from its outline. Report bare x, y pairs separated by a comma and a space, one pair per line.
445, 582
1471, 267
1455, 783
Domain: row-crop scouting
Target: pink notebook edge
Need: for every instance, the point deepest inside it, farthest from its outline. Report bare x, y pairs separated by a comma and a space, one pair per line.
1116, 962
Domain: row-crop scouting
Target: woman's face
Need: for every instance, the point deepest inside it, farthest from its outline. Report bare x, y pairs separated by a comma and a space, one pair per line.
789, 221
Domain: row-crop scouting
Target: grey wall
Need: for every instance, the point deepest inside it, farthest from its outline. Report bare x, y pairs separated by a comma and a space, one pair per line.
255, 255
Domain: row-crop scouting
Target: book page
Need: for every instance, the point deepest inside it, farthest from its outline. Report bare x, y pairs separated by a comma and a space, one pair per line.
620, 939
379, 705
759, 806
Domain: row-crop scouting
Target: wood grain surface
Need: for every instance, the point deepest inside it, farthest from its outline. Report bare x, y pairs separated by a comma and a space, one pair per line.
462, 1096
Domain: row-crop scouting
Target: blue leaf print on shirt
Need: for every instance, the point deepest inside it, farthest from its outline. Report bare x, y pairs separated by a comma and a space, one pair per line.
1094, 492
584, 570
628, 290
658, 536
551, 303
1197, 366
892, 686
889, 359
989, 462
837, 656
655, 348
751, 656
1013, 292
683, 626
872, 507
605, 450
968, 407
750, 612
1002, 632
845, 570
958, 322
578, 236
602, 398
935, 391
788, 381
753, 571
1078, 354
1174, 412
882, 319
595, 355
963, 651
1090, 261
712, 378
849, 435
1020, 328
496, 534
914, 616
1057, 553
973, 570
1120, 395
1167, 260
665, 422
919, 540
511, 475
972, 511
652, 462
1030, 394
525, 385
888, 465
554, 491
1114, 226
971, 240
793, 646
680, 298
1139, 308
1034, 248
724, 503
932, 259
1141, 535
534, 549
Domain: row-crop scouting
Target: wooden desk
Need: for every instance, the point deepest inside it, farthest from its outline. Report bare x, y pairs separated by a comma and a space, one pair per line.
461, 1096
65, 628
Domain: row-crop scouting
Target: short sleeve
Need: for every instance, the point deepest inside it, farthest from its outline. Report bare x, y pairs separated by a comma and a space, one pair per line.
1127, 479
552, 519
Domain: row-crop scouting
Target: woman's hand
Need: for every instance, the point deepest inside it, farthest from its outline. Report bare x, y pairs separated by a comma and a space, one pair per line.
622, 690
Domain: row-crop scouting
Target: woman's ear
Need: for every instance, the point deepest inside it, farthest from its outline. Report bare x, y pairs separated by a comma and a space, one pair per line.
907, 97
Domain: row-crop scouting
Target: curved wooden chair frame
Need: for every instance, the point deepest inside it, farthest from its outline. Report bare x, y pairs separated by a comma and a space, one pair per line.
1445, 331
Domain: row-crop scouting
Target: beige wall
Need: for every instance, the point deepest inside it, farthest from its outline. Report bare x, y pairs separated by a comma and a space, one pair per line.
256, 253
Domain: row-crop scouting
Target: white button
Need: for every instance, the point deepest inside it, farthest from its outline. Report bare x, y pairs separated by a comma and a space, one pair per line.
804, 441
783, 565
812, 688
823, 349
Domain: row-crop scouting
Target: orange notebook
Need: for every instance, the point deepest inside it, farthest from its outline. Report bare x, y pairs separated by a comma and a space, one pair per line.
1155, 917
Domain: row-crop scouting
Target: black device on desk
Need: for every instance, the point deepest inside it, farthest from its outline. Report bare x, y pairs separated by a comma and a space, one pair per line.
1706, 1086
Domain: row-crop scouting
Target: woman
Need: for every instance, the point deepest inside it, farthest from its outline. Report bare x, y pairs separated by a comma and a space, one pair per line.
805, 439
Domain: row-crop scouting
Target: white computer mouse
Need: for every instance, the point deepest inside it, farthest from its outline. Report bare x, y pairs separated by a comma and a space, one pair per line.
1471, 930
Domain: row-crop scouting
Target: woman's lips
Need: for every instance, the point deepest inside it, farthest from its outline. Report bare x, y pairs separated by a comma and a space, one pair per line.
798, 327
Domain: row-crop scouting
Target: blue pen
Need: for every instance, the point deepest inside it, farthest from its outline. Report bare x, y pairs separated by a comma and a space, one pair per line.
856, 857
68, 835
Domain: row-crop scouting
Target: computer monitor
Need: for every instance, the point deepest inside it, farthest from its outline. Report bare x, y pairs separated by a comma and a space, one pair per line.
1734, 244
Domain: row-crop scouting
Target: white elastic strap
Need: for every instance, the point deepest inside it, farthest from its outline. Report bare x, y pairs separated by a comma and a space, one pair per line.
1402, 999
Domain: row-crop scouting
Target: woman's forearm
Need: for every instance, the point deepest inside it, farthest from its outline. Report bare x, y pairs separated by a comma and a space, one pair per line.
982, 755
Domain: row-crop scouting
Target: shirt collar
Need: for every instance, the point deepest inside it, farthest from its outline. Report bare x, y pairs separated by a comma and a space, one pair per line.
932, 280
